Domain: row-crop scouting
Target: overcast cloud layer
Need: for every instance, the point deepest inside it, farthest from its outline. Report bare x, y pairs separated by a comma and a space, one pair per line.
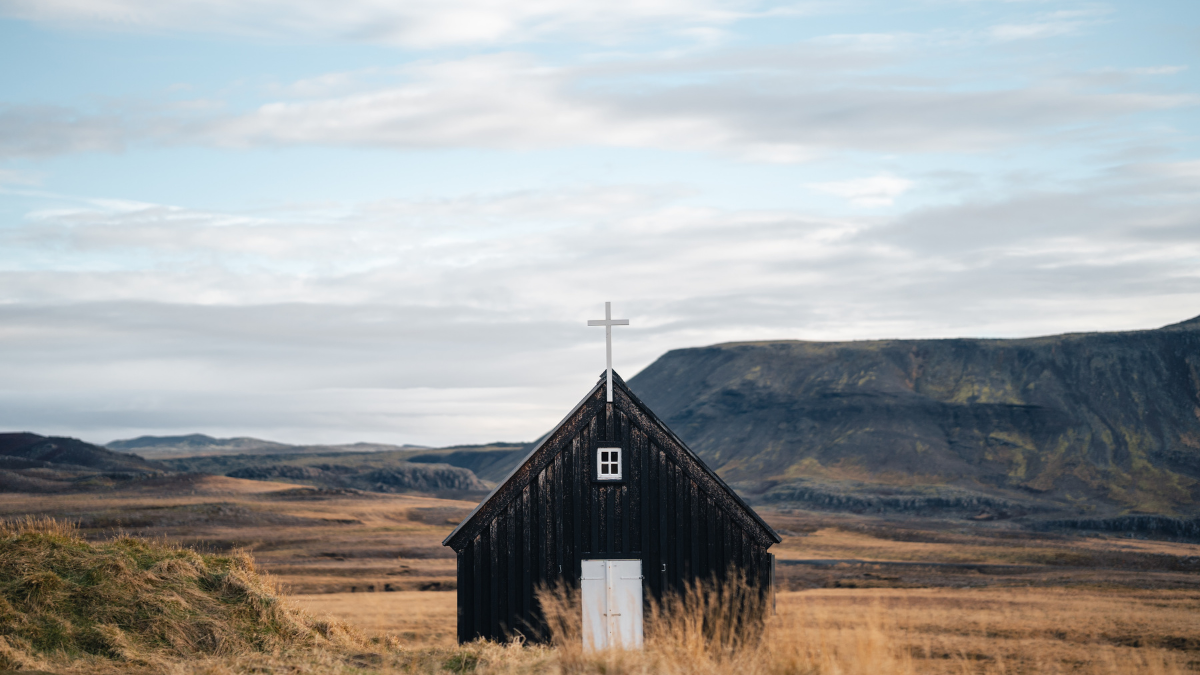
391, 221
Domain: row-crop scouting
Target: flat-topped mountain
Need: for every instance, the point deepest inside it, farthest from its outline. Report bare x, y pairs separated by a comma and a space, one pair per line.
1098, 423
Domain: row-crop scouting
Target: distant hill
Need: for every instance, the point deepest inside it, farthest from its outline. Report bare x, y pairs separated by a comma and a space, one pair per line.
491, 462
1089, 423
397, 477
33, 463
70, 452
200, 445
420, 469
193, 443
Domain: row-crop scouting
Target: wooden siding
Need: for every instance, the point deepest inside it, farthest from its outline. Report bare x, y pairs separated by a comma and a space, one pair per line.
551, 513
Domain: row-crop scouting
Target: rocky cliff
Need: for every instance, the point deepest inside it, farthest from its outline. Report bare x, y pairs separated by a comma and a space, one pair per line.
1093, 423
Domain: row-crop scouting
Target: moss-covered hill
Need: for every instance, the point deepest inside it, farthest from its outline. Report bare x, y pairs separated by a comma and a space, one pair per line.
1101, 423
128, 601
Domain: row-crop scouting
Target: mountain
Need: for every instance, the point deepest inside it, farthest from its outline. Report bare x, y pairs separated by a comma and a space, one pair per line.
200, 445
1090, 423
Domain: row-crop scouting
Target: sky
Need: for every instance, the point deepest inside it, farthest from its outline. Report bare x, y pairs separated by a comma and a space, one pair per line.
319, 222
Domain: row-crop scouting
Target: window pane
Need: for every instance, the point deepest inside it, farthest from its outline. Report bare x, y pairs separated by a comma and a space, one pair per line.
608, 463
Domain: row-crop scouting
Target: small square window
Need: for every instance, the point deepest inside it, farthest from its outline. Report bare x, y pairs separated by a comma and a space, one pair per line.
608, 464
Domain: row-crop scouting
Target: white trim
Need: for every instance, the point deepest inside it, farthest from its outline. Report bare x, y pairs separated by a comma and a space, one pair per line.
609, 463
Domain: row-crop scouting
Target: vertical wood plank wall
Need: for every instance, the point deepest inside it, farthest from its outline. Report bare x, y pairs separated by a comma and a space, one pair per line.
658, 514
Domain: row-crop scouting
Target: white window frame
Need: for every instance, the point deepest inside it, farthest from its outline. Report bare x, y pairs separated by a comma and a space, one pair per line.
601, 463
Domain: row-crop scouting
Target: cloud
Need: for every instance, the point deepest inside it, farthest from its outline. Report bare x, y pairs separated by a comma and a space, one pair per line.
879, 190
43, 130
775, 105
456, 266
765, 114
464, 320
496, 250
1050, 24
509, 101
1149, 70
15, 177
416, 23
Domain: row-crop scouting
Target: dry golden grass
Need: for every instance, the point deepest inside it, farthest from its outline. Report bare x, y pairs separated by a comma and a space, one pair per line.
836, 631
1009, 630
868, 632
312, 545
1086, 615
839, 542
415, 618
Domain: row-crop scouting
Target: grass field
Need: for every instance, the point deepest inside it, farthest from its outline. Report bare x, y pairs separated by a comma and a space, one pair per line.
907, 630
418, 618
860, 594
313, 541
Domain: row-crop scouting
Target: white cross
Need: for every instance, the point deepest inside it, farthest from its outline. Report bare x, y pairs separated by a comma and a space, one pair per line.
608, 322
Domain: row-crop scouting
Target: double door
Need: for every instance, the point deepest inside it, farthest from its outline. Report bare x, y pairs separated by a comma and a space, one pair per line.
611, 593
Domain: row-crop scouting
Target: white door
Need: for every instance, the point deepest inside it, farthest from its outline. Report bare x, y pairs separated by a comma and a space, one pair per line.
612, 604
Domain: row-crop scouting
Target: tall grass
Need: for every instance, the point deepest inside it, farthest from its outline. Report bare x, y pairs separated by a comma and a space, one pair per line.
713, 628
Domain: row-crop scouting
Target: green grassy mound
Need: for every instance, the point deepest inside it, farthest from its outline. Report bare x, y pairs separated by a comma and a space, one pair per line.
135, 601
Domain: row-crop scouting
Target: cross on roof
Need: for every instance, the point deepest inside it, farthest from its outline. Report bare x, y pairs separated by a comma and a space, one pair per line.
608, 322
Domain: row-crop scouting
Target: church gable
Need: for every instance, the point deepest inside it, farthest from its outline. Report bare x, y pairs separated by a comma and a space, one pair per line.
568, 460
609, 486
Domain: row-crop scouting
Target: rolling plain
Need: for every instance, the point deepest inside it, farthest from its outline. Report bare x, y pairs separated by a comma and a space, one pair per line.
857, 593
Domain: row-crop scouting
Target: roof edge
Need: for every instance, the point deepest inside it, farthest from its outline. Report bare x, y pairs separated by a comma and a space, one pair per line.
704, 465
545, 438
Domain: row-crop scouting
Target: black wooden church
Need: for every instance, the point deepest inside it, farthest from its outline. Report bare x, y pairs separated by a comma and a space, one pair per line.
610, 493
